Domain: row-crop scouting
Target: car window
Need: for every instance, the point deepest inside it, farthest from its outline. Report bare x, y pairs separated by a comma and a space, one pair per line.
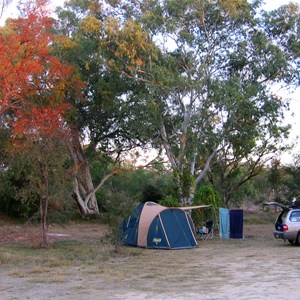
295, 216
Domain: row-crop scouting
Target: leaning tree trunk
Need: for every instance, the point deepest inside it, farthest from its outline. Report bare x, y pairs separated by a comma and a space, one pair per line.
84, 192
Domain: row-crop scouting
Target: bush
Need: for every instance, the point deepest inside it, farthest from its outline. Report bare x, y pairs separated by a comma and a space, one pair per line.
11, 204
206, 195
169, 202
151, 193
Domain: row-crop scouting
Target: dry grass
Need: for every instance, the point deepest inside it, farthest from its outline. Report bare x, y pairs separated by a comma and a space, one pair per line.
87, 267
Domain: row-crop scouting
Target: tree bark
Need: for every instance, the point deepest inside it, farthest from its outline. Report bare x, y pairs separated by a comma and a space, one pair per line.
206, 167
84, 192
43, 215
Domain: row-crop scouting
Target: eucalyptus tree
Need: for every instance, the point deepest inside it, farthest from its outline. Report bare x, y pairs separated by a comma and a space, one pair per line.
103, 121
276, 39
209, 71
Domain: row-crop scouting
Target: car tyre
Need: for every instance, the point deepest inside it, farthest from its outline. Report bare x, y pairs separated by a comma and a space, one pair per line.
298, 239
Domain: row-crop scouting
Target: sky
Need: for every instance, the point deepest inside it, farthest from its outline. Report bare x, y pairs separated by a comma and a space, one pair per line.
292, 117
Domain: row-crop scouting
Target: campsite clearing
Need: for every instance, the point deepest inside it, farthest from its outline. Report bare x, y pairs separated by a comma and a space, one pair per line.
80, 265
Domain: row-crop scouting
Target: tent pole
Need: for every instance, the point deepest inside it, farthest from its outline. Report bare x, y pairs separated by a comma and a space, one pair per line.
217, 225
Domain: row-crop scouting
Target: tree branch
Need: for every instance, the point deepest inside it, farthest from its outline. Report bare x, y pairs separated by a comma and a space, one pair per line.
206, 167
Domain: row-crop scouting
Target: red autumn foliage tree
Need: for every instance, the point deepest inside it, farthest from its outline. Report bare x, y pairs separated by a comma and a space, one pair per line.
34, 87
34, 84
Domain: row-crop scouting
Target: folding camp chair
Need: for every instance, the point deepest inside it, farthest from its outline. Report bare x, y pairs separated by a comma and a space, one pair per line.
207, 231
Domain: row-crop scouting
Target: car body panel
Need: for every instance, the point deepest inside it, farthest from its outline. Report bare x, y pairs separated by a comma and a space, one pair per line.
278, 234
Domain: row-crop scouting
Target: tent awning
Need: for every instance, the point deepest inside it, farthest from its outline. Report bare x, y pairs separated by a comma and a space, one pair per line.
193, 207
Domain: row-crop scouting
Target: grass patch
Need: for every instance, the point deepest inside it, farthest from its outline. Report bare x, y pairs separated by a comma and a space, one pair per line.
260, 217
38, 270
52, 279
18, 273
7, 257
62, 254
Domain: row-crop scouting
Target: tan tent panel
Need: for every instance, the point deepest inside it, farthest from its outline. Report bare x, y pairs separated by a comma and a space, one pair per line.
150, 211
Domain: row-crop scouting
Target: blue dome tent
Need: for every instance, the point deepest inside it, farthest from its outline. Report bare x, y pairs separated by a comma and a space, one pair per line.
154, 226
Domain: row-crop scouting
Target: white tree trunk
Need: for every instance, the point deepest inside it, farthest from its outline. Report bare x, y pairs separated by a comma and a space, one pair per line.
84, 192
86, 202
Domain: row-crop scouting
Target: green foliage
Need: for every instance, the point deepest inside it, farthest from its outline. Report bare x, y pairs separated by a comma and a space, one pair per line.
170, 202
133, 182
275, 180
90, 37
160, 187
32, 170
152, 193
116, 206
261, 187
191, 102
205, 195
11, 204
246, 191
14, 177
186, 180
234, 181
129, 187
289, 182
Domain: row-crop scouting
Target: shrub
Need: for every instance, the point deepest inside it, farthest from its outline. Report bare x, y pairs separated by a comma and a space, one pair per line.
170, 202
206, 195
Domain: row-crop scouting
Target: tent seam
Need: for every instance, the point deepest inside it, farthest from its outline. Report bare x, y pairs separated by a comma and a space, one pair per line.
163, 228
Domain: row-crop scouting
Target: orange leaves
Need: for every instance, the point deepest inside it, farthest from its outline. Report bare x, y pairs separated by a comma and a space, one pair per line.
34, 84
44, 122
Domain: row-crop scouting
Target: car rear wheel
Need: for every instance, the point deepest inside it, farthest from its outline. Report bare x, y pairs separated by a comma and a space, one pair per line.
298, 239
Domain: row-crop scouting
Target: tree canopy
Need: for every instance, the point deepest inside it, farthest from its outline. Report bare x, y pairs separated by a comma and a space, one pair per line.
208, 74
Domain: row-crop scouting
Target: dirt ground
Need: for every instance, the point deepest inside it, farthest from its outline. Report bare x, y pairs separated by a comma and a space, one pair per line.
256, 267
